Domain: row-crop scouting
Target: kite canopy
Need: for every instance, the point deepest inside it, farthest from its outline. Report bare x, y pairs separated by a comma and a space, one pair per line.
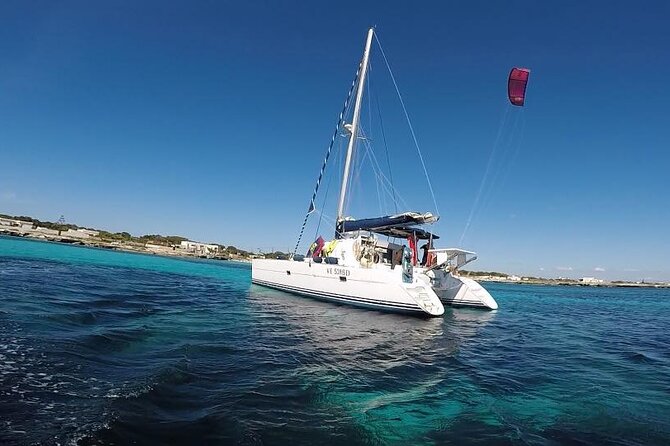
516, 85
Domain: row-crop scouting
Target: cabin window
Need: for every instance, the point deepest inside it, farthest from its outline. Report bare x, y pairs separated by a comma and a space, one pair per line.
343, 279
288, 272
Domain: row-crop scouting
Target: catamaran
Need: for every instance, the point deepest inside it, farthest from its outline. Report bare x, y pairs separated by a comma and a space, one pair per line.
374, 262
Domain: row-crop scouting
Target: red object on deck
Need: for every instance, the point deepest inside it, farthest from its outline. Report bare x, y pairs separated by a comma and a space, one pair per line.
316, 247
412, 245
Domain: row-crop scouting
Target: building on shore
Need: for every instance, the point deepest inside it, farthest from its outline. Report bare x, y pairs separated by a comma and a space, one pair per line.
79, 233
591, 281
199, 249
30, 229
45, 231
19, 224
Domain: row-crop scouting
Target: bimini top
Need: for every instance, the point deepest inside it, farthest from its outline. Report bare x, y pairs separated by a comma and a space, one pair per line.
399, 225
406, 231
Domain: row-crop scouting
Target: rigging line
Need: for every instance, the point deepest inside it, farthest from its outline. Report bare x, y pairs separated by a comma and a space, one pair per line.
369, 80
486, 173
374, 164
390, 189
325, 161
325, 197
338, 152
379, 196
386, 147
321, 215
409, 122
331, 222
318, 211
369, 110
356, 183
328, 221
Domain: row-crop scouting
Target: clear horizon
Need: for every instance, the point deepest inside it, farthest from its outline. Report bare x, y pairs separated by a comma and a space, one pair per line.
210, 121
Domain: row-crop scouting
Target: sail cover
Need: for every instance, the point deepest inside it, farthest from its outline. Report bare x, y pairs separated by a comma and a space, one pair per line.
379, 224
516, 86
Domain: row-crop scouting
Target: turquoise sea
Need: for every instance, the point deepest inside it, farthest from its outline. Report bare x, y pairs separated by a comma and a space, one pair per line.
102, 347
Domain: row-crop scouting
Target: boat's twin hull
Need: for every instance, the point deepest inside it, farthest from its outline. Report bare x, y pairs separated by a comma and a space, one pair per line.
462, 291
381, 289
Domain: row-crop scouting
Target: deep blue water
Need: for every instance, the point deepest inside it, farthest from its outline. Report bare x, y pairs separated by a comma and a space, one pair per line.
100, 347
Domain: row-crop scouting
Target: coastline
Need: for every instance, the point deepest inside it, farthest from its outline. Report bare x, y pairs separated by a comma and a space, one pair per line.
571, 282
118, 246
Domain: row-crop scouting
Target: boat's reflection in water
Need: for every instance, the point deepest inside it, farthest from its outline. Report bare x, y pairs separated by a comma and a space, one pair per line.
349, 340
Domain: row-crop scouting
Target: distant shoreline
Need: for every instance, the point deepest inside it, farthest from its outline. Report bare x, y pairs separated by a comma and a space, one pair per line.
117, 249
559, 282
99, 244
166, 246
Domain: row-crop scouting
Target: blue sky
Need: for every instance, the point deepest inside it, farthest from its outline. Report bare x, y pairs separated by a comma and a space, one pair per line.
211, 119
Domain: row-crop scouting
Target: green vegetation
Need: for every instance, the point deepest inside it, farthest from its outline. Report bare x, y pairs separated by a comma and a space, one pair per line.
166, 240
115, 236
483, 273
276, 255
155, 239
235, 251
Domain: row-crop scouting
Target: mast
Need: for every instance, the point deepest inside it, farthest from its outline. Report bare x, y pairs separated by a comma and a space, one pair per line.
354, 126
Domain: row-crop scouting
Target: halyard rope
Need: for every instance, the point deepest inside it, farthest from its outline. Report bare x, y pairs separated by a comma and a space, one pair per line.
312, 206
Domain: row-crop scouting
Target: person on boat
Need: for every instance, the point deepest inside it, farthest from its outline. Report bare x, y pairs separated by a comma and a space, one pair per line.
426, 258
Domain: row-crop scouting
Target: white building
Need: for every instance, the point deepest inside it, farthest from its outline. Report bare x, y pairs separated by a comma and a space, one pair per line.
199, 249
591, 280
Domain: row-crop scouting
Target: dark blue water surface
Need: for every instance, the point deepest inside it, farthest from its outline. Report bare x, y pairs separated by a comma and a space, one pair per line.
100, 347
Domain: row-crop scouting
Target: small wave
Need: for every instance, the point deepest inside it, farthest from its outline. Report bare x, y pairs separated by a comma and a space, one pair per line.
639, 358
114, 340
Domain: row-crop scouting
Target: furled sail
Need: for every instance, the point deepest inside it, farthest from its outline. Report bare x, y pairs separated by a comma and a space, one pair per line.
390, 221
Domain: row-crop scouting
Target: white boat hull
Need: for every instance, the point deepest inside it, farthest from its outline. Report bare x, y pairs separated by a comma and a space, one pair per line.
462, 291
376, 288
